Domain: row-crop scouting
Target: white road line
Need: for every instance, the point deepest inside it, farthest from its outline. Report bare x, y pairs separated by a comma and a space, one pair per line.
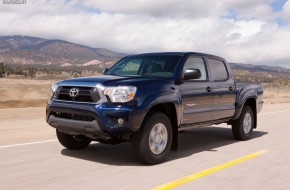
30, 143
274, 112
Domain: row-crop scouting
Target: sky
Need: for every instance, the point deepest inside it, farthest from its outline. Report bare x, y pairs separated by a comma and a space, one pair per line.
242, 31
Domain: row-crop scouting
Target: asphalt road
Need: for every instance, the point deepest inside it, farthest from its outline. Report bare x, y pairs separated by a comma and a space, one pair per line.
31, 158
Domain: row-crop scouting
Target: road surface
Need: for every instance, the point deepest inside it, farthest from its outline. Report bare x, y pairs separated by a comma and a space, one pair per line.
31, 158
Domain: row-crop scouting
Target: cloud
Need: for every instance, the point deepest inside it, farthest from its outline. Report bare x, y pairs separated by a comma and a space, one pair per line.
286, 10
182, 8
161, 8
251, 35
248, 28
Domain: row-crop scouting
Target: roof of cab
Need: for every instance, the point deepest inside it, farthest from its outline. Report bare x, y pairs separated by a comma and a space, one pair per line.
181, 54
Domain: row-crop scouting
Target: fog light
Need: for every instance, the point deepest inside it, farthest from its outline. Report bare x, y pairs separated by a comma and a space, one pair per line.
120, 121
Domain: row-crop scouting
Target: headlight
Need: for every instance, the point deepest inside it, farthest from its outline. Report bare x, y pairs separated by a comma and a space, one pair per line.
120, 93
53, 88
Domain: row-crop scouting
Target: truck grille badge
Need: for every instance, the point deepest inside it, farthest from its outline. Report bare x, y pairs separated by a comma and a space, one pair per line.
73, 92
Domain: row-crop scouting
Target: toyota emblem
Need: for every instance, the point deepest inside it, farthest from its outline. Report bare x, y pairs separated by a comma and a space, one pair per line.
74, 92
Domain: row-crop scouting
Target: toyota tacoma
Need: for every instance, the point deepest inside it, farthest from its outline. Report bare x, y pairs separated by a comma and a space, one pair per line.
147, 99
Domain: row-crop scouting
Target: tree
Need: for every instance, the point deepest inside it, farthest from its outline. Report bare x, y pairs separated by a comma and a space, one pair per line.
8, 70
31, 71
2, 69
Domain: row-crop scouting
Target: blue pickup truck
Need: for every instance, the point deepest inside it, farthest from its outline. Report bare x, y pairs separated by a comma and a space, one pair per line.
147, 99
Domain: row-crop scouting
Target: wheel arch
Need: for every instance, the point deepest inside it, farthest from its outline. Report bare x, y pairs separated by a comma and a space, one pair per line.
169, 109
252, 103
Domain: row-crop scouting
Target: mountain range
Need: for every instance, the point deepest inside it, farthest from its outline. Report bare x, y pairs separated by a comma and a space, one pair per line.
37, 51
258, 68
27, 50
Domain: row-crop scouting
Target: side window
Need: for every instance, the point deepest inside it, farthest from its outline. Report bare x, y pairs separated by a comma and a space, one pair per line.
196, 63
217, 69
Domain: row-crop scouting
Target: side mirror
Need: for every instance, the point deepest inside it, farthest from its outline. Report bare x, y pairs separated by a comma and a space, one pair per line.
191, 74
105, 70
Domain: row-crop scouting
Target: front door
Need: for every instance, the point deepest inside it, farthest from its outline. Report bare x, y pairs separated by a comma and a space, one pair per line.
197, 97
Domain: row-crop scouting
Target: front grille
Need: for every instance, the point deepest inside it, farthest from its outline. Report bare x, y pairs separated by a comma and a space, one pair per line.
73, 116
85, 94
80, 98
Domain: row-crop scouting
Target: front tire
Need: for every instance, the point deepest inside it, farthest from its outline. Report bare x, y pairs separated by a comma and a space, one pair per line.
242, 128
73, 142
152, 142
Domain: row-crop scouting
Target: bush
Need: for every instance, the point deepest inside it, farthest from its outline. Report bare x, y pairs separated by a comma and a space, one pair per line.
2, 69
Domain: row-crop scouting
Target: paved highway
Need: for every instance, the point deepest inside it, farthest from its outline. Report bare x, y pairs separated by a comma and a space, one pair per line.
31, 158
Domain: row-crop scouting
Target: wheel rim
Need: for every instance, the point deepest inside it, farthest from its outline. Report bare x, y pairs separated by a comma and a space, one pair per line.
247, 124
158, 138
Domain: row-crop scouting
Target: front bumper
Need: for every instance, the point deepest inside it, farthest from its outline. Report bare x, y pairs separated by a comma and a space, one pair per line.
93, 119
89, 127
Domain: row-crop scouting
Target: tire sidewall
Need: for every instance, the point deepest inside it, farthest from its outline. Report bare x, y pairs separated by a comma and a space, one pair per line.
70, 142
145, 152
244, 135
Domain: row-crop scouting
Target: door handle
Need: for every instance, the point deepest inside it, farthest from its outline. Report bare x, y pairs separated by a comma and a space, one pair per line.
231, 88
208, 89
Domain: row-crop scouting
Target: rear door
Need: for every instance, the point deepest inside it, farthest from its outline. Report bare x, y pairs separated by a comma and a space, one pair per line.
196, 96
224, 89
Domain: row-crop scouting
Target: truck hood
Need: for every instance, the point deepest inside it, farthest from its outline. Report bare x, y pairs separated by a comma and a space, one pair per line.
109, 80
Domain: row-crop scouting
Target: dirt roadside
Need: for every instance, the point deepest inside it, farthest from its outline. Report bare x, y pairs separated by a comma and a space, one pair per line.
23, 125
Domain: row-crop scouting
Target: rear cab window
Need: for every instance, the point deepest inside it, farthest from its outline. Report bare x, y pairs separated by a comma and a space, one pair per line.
218, 70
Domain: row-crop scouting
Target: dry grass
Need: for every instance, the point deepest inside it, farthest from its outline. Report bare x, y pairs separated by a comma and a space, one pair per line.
276, 94
16, 93
19, 93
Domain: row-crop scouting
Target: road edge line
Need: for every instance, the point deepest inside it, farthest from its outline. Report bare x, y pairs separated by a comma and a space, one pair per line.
30, 143
274, 112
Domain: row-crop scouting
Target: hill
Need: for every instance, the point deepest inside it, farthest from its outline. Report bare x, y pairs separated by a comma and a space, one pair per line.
258, 73
26, 50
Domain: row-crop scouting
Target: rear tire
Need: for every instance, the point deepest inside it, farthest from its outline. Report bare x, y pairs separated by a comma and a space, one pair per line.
71, 141
152, 142
242, 128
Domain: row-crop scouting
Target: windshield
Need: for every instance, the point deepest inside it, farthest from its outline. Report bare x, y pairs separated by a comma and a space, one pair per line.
147, 65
